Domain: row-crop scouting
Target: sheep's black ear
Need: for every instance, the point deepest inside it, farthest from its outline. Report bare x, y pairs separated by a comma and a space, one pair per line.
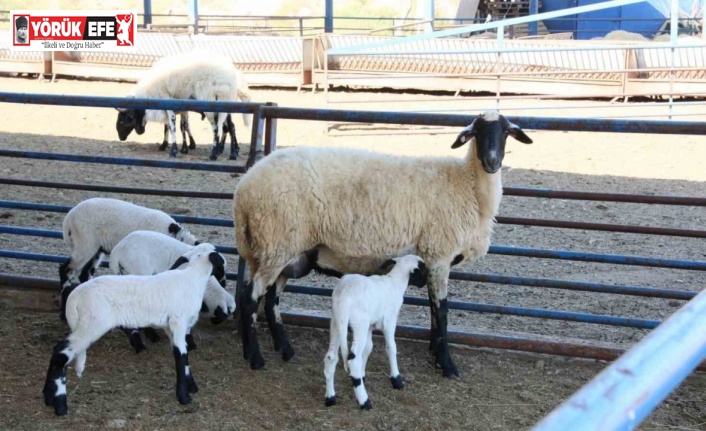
466, 135
387, 266
518, 134
419, 275
174, 229
179, 262
197, 243
216, 259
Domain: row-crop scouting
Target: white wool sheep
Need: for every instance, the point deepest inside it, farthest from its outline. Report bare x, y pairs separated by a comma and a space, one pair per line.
191, 75
365, 303
94, 226
169, 300
148, 252
359, 209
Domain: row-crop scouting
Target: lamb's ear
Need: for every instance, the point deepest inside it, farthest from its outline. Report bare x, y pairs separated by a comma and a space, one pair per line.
387, 266
122, 109
518, 134
419, 276
216, 259
466, 135
179, 262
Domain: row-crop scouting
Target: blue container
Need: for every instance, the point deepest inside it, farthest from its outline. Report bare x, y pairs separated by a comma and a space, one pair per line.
639, 18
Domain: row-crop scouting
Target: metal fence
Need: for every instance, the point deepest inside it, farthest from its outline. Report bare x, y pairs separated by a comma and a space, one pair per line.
264, 136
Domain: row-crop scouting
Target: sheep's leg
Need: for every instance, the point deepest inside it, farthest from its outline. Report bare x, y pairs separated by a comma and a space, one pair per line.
330, 362
216, 121
249, 302
165, 142
355, 365
171, 116
133, 335
438, 279
234, 148
177, 331
274, 319
190, 343
55, 384
183, 124
67, 274
191, 386
187, 127
367, 351
391, 347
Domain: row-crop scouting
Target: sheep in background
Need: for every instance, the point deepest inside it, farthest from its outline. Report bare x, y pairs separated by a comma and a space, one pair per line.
93, 227
365, 303
357, 209
148, 252
170, 300
192, 75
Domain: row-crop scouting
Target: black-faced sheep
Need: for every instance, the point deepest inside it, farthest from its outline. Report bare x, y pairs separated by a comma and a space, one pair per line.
358, 209
194, 75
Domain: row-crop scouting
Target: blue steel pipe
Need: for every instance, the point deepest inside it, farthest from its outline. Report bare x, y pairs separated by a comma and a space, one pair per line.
130, 103
625, 393
123, 161
617, 259
507, 191
465, 276
536, 123
453, 305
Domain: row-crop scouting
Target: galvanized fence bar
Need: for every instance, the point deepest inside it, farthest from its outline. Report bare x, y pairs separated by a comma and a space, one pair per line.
417, 301
507, 191
625, 393
455, 120
616, 259
153, 163
465, 276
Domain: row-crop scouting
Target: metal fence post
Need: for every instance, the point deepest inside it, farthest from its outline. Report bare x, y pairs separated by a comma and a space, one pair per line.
256, 147
270, 132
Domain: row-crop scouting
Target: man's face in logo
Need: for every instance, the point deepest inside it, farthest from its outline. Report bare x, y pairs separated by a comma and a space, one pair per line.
22, 32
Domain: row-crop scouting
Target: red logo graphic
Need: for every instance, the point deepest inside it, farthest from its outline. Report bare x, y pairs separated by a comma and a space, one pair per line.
125, 29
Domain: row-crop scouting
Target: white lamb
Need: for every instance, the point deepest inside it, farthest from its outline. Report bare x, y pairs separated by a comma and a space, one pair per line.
357, 209
170, 300
365, 303
93, 227
192, 75
148, 252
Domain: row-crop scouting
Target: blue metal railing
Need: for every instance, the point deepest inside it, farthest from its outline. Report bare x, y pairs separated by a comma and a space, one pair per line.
625, 393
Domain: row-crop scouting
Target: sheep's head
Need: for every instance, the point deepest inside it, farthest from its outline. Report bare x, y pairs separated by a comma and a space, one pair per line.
129, 120
490, 130
412, 264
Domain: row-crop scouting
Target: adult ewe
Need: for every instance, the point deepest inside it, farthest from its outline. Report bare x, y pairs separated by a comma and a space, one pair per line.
357, 209
198, 76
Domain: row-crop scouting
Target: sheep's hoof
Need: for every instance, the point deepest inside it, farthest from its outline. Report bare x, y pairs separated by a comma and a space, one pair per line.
450, 371
48, 396
287, 352
192, 144
60, 406
216, 320
213, 157
163, 146
139, 348
397, 382
184, 398
330, 401
184, 150
367, 405
257, 361
151, 335
234, 155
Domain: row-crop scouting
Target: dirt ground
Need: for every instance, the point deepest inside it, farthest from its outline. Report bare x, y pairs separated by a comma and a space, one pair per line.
498, 389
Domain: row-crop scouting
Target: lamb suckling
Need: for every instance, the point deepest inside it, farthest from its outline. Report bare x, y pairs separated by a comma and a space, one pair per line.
191, 75
149, 252
367, 303
170, 300
358, 208
94, 226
